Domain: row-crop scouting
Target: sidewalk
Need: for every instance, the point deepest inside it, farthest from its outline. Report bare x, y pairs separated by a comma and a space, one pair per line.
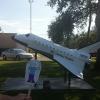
56, 83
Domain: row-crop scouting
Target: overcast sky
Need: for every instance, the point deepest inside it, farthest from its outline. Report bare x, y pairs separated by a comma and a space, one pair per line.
15, 16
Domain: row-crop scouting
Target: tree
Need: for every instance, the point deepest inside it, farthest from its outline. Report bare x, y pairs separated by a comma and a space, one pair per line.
55, 32
61, 28
79, 9
90, 19
97, 21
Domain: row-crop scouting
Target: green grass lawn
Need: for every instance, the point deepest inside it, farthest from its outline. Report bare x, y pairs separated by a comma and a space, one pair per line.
11, 69
49, 69
17, 69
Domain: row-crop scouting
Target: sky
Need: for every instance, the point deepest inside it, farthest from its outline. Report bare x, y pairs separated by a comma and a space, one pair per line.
15, 16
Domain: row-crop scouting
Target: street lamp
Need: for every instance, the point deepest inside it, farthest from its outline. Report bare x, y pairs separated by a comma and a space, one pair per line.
30, 2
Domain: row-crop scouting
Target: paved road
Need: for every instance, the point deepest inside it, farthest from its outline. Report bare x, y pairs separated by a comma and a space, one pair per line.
43, 58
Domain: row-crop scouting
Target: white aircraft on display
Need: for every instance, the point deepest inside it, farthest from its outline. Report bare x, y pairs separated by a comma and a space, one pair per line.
72, 59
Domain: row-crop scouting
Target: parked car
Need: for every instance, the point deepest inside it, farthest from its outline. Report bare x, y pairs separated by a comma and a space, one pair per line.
16, 54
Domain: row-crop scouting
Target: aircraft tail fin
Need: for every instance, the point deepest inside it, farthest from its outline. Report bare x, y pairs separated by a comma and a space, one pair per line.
91, 48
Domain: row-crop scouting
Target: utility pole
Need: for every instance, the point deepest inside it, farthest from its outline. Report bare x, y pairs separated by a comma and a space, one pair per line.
30, 2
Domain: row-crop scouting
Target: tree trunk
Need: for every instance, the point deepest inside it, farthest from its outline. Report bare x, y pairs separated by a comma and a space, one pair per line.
90, 19
97, 21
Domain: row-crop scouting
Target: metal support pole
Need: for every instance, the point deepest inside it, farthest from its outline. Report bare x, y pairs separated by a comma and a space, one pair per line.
69, 80
35, 56
65, 75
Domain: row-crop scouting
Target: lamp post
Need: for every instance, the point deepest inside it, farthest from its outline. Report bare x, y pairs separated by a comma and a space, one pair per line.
30, 2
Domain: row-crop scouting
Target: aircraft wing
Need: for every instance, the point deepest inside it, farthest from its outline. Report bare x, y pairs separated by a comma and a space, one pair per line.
74, 66
73, 60
91, 48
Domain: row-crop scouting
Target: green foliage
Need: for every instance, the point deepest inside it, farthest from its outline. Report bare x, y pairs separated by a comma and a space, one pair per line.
80, 11
80, 41
84, 41
61, 28
55, 32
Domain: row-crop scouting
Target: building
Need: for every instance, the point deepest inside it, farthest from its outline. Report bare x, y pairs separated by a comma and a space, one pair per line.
6, 42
